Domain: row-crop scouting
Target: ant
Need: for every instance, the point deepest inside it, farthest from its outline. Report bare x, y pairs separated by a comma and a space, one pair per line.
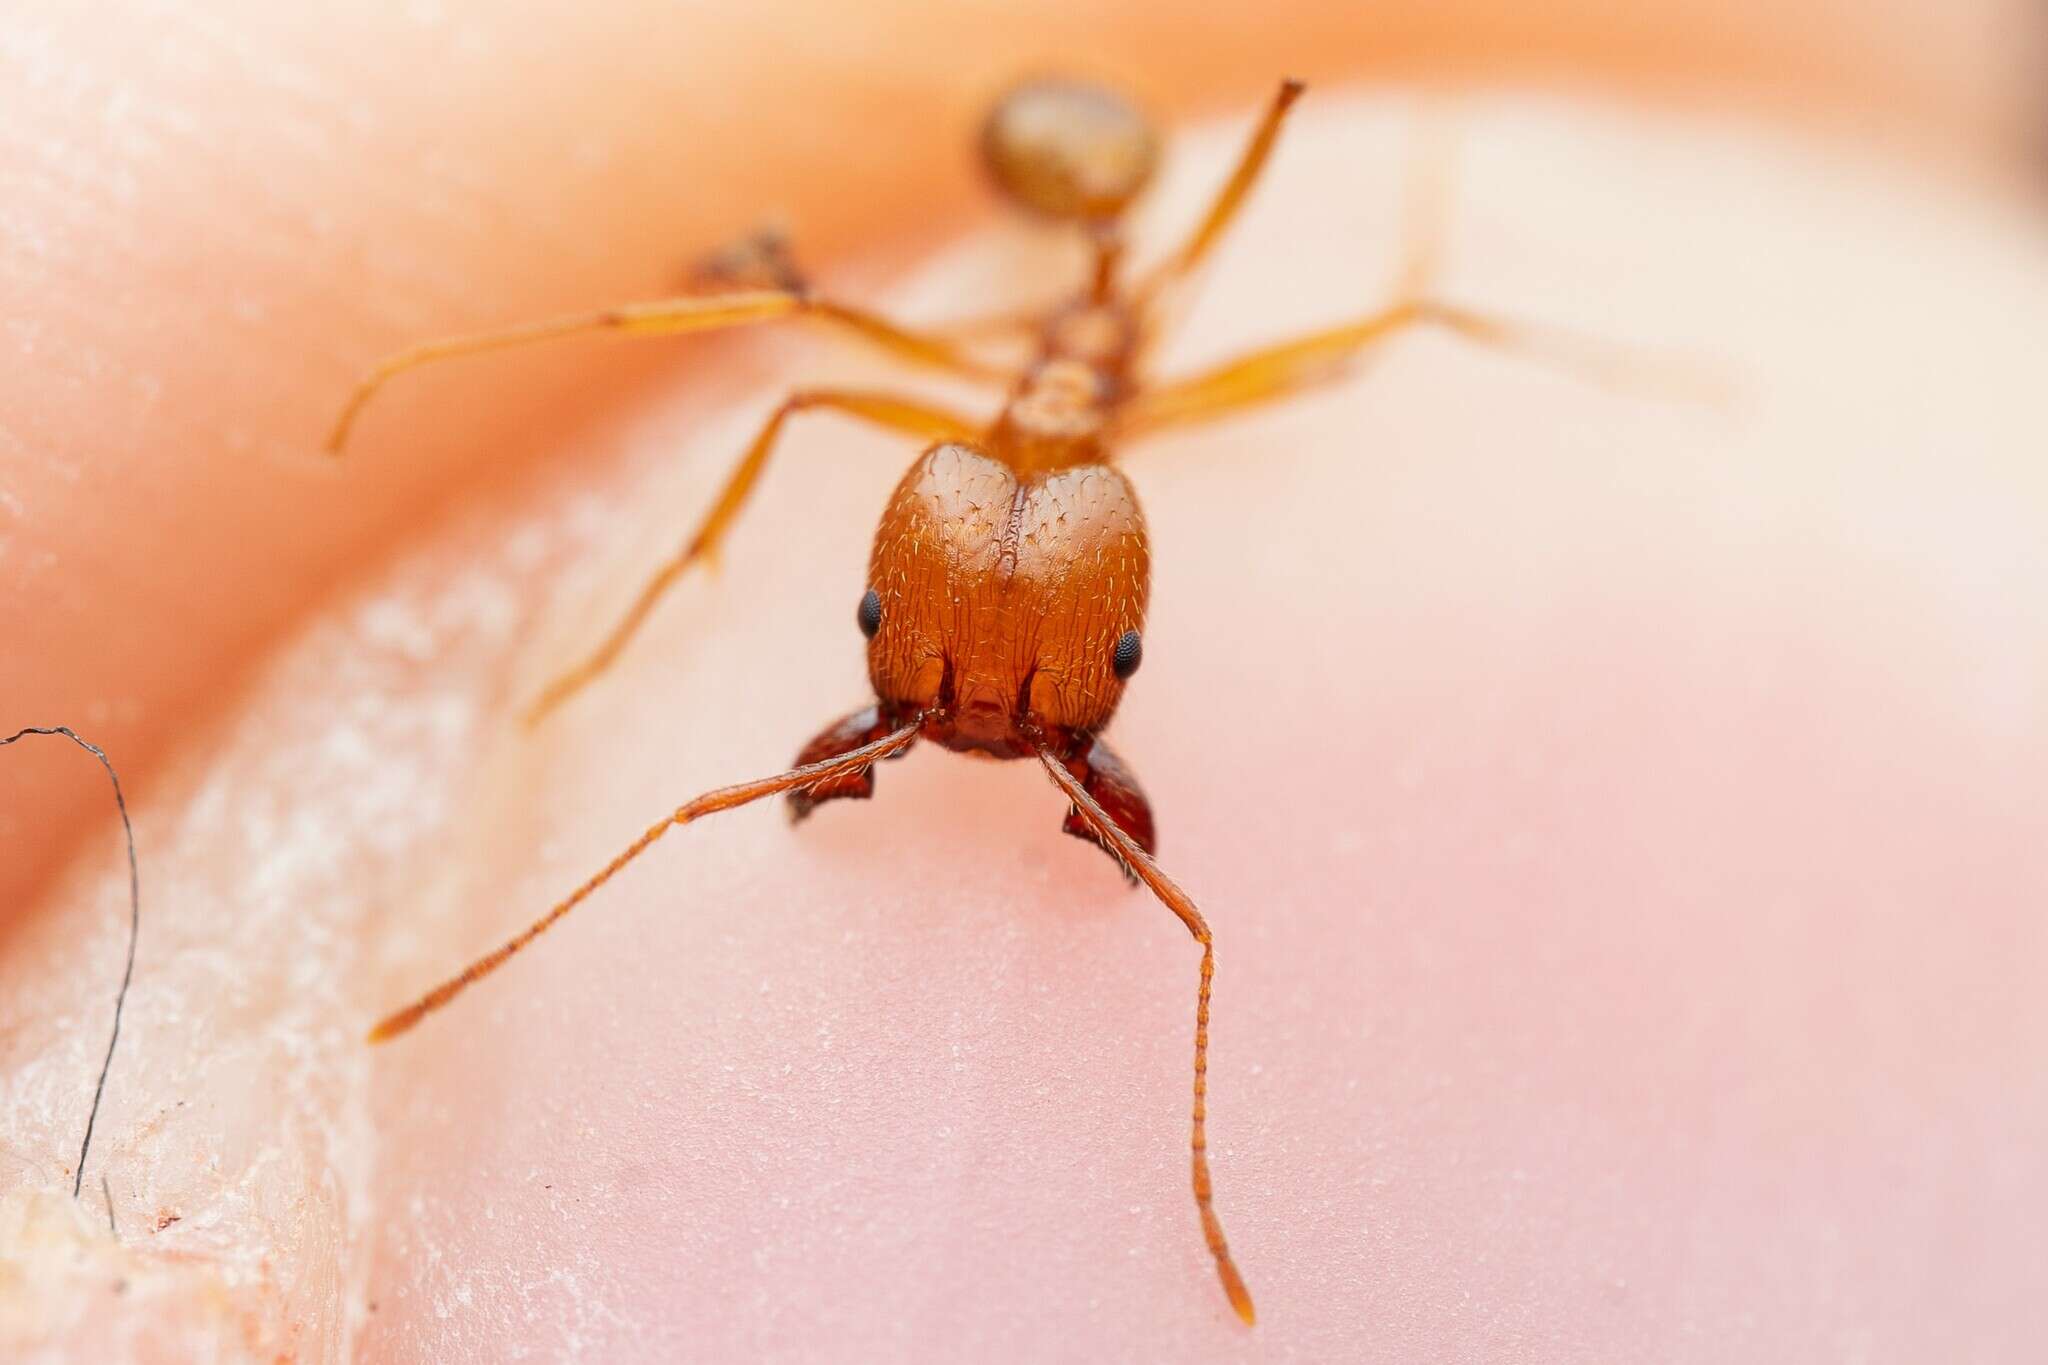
1005, 596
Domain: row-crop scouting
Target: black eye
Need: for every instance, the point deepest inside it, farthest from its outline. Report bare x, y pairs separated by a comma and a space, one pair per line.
1130, 652
870, 615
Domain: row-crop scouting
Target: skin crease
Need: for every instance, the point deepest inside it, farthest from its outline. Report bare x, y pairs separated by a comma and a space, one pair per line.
1619, 821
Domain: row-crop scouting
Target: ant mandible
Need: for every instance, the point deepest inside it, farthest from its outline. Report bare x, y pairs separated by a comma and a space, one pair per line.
1006, 592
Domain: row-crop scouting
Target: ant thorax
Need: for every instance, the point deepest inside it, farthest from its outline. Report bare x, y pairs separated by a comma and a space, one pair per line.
1056, 418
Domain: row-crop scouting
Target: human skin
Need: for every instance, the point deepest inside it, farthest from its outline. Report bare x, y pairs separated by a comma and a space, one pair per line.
1619, 815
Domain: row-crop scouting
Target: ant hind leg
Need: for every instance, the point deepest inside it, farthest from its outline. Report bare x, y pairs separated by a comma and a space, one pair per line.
1286, 368
1223, 210
766, 259
673, 317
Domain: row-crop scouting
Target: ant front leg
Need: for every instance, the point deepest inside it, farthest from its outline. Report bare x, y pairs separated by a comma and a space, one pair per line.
864, 726
1107, 778
891, 412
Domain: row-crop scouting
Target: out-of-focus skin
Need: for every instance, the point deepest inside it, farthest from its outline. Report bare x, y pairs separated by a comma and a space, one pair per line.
215, 212
1620, 819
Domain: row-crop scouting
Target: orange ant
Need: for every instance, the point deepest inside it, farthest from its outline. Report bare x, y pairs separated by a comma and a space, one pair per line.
1006, 592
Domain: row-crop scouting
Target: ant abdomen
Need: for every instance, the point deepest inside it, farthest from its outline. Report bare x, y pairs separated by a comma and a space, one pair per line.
1066, 149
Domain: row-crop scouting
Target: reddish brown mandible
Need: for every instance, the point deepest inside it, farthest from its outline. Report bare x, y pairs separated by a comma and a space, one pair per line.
1005, 597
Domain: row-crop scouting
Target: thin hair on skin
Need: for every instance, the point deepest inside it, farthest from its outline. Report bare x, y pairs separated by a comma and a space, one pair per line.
99, 1088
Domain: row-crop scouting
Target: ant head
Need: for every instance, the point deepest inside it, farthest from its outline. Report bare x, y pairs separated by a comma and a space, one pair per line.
1064, 149
1011, 608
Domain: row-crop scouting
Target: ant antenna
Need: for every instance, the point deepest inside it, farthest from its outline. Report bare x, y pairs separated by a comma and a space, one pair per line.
1140, 862
725, 798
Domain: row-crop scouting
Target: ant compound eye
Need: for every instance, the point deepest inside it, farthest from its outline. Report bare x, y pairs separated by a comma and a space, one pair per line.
870, 615
1130, 652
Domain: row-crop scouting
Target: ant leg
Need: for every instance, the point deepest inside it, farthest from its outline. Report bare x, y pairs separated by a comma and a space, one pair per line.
1281, 370
1125, 848
670, 317
1228, 200
710, 803
864, 726
764, 259
882, 409
1108, 779
1277, 371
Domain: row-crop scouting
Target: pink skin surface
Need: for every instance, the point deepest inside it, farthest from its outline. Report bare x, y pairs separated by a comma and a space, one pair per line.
1620, 818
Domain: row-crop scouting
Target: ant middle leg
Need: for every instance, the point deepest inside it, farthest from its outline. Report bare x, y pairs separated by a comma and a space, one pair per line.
1285, 368
1278, 371
889, 411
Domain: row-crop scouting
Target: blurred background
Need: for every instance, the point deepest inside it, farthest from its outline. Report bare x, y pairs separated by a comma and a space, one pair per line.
216, 211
